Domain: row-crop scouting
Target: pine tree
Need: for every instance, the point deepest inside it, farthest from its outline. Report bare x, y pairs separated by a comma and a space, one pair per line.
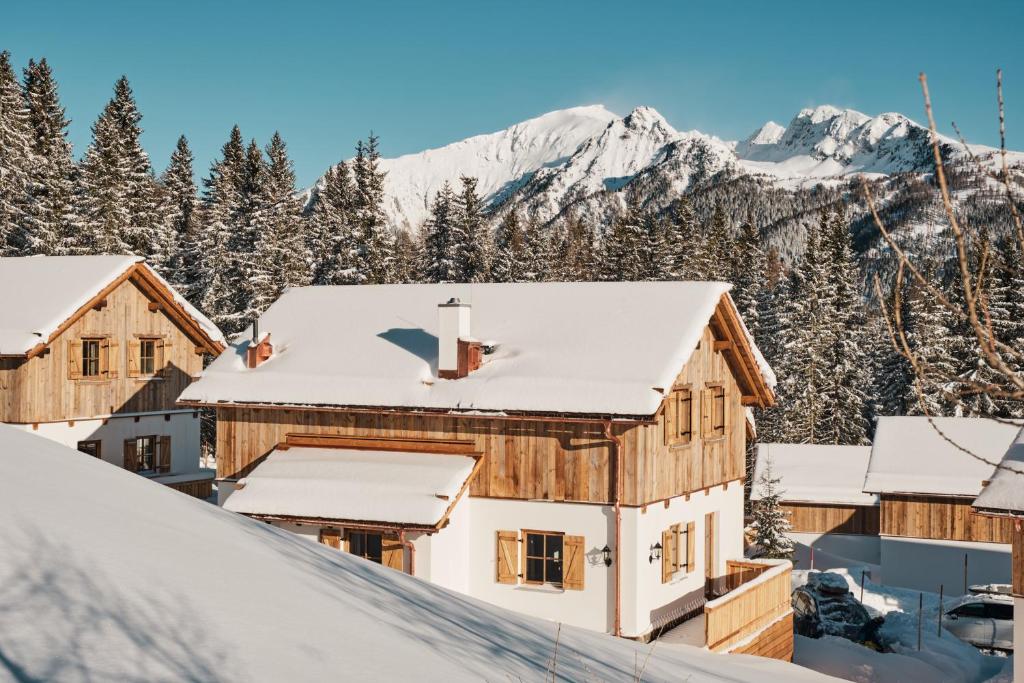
685, 243
444, 240
771, 523
243, 271
330, 239
749, 276
575, 259
280, 260
408, 258
719, 246
53, 225
177, 256
624, 249
16, 158
510, 260
536, 252
119, 191
375, 263
476, 255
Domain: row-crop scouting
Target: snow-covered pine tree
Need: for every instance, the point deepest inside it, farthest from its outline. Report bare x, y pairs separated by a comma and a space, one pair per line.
443, 240
176, 255
16, 158
377, 256
932, 336
53, 225
280, 259
242, 271
686, 244
476, 252
509, 261
624, 249
771, 522
536, 252
750, 272
408, 258
119, 203
574, 255
719, 244
332, 237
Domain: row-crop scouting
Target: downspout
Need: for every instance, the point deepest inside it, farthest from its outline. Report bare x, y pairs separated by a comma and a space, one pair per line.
412, 552
617, 445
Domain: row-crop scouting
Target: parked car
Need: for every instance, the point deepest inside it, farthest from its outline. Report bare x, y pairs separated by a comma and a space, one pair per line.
984, 619
824, 606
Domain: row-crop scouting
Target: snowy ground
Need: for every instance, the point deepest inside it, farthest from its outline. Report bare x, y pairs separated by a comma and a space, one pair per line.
944, 658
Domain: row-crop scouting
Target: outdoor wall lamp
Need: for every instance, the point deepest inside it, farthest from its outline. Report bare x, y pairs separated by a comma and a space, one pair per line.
655, 553
606, 552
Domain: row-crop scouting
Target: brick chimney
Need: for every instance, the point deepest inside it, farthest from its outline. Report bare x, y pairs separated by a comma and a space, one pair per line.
259, 349
457, 353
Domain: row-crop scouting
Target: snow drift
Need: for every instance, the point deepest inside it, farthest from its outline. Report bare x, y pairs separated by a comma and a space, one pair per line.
106, 576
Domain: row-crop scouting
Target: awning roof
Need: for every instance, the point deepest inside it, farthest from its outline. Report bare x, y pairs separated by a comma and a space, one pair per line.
370, 486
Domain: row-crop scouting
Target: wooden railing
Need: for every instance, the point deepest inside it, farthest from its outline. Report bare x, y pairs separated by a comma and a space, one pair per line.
758, 597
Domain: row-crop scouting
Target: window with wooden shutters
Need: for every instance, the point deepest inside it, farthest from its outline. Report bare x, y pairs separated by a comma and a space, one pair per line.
543, 553
367, 545
679, 417
92, 448
574, 564
507, 560
140, 453
147, 356
712, 411
392, 552
331, 538
91, 357
163, 460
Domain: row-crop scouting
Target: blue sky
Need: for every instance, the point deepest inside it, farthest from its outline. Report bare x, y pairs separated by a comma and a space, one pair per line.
422, 74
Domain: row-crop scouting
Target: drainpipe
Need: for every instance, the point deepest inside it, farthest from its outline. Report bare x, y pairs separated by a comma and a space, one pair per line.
412, 552
617, 445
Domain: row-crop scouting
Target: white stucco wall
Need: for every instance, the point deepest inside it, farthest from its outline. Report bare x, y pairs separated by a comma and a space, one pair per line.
924, 564
592, 607
442, 557
182, 427
861, 548
647, 602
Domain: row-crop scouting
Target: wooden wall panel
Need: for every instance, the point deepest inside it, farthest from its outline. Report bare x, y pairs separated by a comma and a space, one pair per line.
940, 518
775, 642
38, 389
1018, 557
836, 519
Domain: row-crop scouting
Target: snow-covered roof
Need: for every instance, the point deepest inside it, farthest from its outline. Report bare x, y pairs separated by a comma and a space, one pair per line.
353, 485
592, 348
42, 292
815, 473
1005, 492
105, 576
909, 455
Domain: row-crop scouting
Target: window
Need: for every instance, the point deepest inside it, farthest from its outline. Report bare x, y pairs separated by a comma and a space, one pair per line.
148, 454
367, 545
713, 412
91, 357
999, 611
971, 609
145, 449
543, 557
147, 356
90, 448
676, 550
679, 417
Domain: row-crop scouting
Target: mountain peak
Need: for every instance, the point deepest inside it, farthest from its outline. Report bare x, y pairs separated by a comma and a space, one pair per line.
646, 118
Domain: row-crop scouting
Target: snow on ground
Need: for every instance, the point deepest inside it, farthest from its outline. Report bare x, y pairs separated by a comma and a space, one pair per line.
105, 576
955, 660
802, 560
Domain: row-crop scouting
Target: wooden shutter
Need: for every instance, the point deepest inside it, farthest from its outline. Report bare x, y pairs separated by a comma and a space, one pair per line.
668, 550
572, 569
164, 453
331, 537
690, 531
710, 559
706, 399
108, 358
392, 553
671, 419
131, 455
134, 353
684, 418
507, 557
74, 359
718, 412
160, 361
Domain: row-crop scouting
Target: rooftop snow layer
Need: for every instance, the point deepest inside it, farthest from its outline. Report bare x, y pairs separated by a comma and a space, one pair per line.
909, 455
42, 292
1005, 492
353, 485
105, 576
592, 348
814, 473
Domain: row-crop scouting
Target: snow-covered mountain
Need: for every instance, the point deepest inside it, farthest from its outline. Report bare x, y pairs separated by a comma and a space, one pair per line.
583, 157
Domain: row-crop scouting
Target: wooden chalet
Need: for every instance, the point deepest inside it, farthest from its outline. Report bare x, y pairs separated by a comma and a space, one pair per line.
927, 483
1002, 499
94, 351
573, 451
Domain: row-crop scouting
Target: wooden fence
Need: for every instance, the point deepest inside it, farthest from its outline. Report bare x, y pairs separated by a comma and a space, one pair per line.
759, 598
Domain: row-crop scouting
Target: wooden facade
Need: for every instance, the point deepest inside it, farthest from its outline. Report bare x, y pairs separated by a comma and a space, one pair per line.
46, 385
747, 620
834, 519
940, 518
531, 459
1018, 557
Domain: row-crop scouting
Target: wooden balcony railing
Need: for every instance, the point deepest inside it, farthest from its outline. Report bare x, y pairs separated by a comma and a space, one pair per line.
758, 597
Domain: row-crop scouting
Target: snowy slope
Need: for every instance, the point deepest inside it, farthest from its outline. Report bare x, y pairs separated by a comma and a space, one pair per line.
105, 576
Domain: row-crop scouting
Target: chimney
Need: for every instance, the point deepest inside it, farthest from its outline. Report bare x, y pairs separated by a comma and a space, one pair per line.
258, 350
457, 354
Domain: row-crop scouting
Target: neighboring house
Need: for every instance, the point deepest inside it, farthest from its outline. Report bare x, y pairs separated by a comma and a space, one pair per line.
821, 489
572, 451
1002, 498
930, 536
94, 351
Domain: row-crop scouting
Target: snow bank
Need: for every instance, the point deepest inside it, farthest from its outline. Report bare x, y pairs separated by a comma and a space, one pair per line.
852, 662
910, 456
814, 473
1005, 493
105, 576
596, 348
